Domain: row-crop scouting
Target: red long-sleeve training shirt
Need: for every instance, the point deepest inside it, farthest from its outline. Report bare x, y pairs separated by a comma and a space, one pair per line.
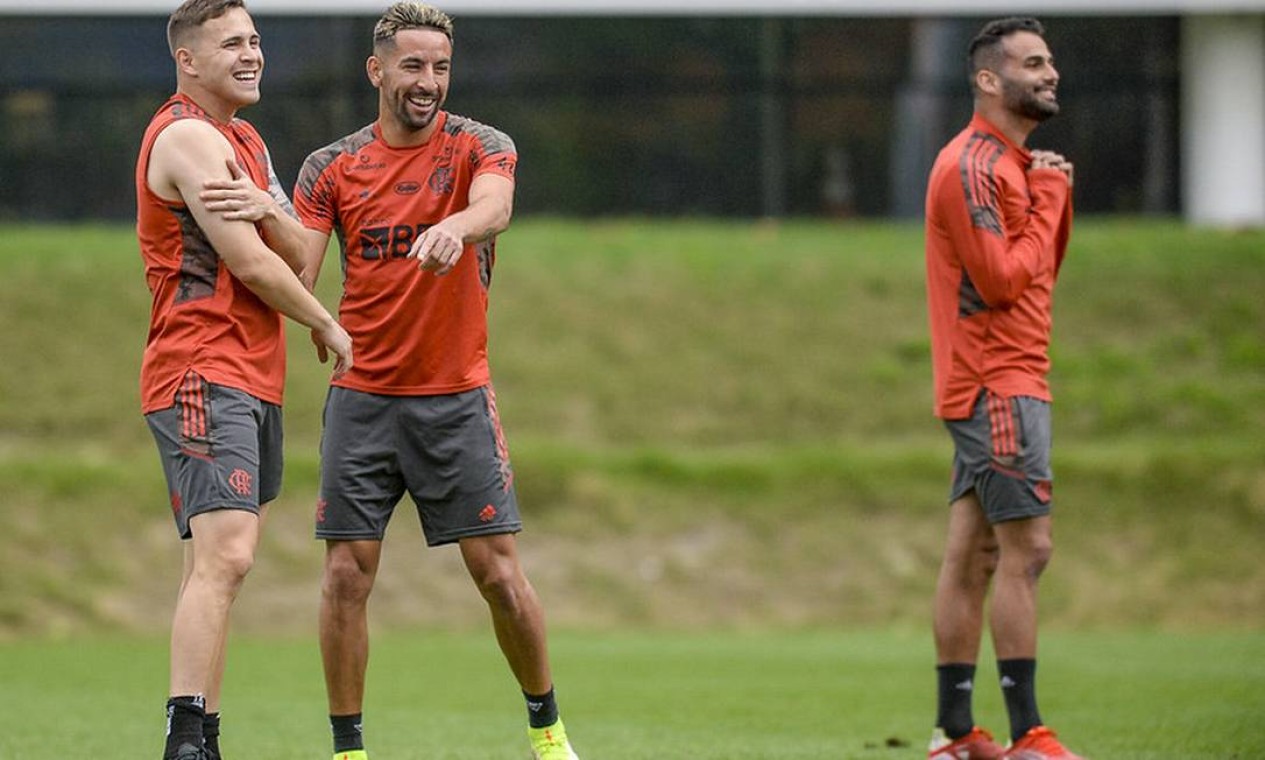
996, 234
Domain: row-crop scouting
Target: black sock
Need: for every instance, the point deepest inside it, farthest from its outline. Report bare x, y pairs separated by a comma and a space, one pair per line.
1019, 687
953, 708
184, 723
348, 732
542, 711
211, 735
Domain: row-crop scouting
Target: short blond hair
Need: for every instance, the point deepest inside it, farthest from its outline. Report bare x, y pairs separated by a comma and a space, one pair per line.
410, 15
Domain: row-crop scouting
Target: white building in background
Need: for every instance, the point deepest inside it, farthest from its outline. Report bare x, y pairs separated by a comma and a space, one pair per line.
1223, 119
1222, 66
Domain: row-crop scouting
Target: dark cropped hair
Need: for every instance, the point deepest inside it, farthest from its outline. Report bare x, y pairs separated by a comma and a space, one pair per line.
985, 50
194, 13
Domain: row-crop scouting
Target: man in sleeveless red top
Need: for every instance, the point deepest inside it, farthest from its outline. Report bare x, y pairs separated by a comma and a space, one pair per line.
214, 361
997, 227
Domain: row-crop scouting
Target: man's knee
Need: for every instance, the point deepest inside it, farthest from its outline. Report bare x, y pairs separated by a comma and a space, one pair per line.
977, 563
223, 547
987, 556
1039, 554
972, 557
348, 576
500, 581
225, 565
1028, 549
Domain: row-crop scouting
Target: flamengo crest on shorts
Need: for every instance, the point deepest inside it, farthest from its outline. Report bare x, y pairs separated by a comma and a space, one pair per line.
220, 449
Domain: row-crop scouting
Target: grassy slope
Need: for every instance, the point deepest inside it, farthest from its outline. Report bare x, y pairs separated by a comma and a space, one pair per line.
712, 423
842, 695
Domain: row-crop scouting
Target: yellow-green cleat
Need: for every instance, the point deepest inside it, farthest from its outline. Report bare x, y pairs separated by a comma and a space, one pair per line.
355, 754
550, 743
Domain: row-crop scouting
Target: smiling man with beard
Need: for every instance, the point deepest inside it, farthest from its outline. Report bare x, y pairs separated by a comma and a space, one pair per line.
998, 221
417, 199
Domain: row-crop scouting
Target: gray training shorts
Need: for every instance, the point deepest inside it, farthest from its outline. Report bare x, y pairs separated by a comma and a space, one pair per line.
448, 452
220, 449
1003, 454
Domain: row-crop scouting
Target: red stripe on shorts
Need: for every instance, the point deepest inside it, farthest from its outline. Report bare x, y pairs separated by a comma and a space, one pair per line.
502, 449
1001, 422
192, 408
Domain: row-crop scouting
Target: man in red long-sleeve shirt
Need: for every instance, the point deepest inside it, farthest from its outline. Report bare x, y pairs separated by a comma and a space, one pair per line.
998, 220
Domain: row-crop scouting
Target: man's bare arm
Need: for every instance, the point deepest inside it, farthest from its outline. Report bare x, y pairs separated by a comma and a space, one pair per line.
491, 205
187, 154
240, 199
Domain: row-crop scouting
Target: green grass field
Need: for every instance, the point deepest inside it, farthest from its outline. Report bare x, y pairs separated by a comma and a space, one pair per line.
840, 695
734, 494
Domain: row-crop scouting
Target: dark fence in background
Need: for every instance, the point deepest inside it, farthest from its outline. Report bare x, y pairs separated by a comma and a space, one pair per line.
613, 116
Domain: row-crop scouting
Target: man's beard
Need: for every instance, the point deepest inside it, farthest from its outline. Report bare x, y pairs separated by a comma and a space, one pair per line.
1025, 103
411, 121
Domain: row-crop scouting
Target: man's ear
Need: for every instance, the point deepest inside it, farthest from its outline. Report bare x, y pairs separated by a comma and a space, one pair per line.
373, 68
987, 82
184, 62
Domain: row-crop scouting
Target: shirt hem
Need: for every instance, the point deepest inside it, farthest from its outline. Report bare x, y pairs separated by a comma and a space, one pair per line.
413, 390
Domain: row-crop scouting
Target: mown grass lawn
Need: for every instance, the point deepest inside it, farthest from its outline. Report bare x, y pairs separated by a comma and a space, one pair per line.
824, 695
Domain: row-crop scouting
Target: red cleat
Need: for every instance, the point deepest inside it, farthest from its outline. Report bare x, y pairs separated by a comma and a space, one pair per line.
977, 745
1040, 743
